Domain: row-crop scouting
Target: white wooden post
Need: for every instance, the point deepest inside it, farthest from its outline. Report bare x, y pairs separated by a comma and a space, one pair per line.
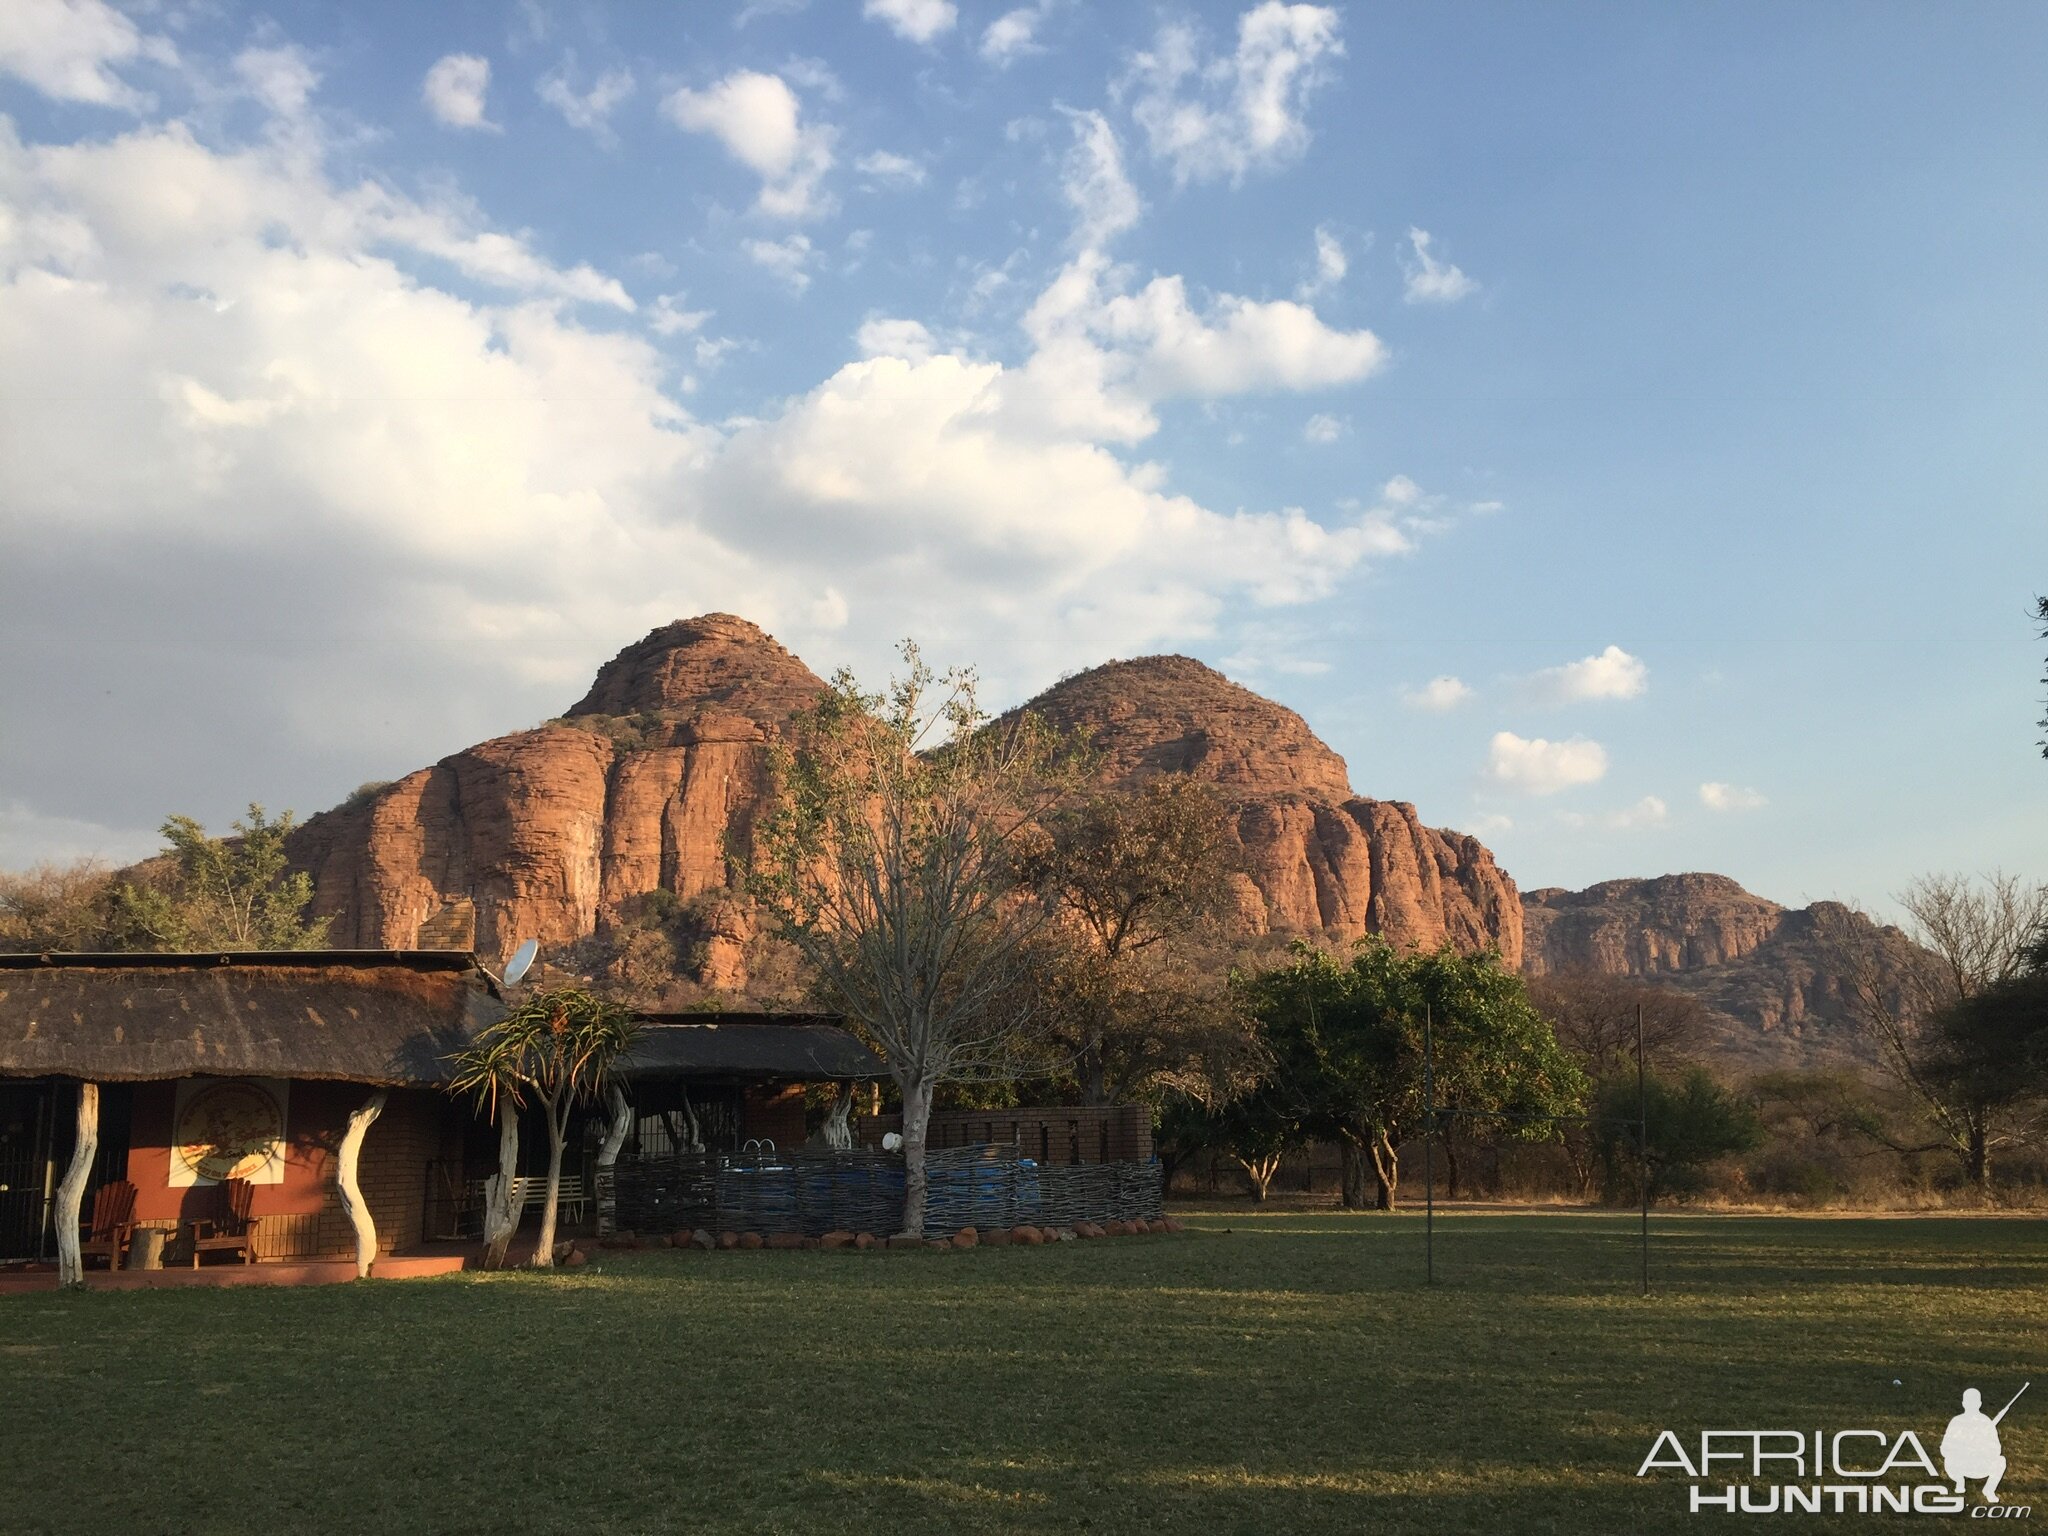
71, 1193
501, 1209
838, 1126
359, 1123
606, 1183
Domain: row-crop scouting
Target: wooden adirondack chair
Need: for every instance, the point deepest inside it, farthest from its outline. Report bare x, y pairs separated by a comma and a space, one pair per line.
233, 1230
113, 1220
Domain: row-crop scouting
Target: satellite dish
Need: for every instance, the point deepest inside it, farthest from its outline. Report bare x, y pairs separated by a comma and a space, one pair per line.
522, 957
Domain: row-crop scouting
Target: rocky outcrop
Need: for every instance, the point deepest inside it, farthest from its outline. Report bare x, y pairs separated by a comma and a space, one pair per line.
641, 787
1317, 859
661, 767
1644, 927
1763, 971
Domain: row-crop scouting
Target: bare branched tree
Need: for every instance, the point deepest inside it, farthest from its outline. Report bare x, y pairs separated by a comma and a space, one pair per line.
891, 861
1963, 936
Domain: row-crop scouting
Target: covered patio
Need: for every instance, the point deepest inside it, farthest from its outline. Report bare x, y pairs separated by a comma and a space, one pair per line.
275, 1113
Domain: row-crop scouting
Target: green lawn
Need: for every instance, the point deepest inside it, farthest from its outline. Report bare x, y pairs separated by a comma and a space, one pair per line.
1289, 1374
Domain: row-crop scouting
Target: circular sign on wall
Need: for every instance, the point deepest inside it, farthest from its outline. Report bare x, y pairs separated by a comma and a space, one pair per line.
228, 1130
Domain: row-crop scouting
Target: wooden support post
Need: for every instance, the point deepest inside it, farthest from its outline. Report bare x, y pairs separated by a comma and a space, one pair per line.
838, 1123
606, 1183
501, 1210
359, 1123
71, 1193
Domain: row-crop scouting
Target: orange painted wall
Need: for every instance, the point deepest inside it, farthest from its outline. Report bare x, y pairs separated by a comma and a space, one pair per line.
302, 1216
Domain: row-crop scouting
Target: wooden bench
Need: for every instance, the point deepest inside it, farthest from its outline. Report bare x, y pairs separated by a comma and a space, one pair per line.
531, 1194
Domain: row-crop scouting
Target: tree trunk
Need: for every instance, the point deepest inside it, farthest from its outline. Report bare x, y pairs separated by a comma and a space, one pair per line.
352, 1202
1352, 1162
71, 1193
1258, 1173
917, 1117
558, 1135
1093, 1074
501, 1211
1386, 1170
1450, 1167
1980, 1160
615, 1134
838, 1122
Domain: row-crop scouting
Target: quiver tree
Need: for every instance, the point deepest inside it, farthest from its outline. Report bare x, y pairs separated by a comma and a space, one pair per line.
892, 860
556, 1049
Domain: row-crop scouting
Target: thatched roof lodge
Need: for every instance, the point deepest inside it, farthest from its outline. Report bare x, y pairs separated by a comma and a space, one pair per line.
264, 1067
257, 1067
387, 1017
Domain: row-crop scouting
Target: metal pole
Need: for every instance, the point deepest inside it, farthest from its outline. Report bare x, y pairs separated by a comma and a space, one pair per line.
1428, 1144
1643, 1146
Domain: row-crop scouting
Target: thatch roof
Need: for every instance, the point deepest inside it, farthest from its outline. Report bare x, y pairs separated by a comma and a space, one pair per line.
364, 1016
798, 1048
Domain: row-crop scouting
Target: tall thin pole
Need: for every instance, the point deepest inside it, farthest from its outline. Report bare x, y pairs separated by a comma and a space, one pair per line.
1643, 1145
1428, 1144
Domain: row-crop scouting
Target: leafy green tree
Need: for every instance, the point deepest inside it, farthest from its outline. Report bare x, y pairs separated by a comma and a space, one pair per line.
1348, 1040
892, 860
555, 1049
1136, 877
1693, 1121
224, 893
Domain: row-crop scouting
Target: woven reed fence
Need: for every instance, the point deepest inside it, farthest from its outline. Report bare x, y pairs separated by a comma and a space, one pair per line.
812, 1193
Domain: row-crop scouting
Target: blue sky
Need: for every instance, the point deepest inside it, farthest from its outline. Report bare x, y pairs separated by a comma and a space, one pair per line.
1616, 429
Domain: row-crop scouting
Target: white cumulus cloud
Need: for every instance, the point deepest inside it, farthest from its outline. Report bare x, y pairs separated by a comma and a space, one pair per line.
1331, 266
1105, 203
590, 110
70, 49
1431, 281
1438, 696
1540, 767
455, 88
280, 78
916, 21
789, 259
1012, 35
1730, 797
1322, 429
890, 169
1612, 674
1214, 118
759, 120
441, 472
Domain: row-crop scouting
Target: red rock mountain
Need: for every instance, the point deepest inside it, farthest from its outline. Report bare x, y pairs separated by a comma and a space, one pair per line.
1760, 968
550, 832
544, 833
1319, 858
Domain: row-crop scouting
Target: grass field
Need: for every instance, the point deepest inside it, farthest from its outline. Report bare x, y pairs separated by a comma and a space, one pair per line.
1290, 1373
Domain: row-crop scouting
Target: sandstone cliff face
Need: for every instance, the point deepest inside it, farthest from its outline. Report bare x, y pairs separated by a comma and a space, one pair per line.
544, 833
661, 766
1317, 858
1760, 968
1645, 927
